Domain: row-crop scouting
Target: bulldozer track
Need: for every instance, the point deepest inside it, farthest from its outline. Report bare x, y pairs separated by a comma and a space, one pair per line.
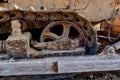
39, 20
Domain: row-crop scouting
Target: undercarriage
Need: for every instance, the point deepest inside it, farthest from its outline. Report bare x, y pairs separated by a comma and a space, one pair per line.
51, 31
56, 42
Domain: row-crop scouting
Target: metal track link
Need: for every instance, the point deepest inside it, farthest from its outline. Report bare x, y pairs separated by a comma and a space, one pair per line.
40, 19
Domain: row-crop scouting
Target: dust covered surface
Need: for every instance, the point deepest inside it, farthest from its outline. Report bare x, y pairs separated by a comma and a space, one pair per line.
111, 75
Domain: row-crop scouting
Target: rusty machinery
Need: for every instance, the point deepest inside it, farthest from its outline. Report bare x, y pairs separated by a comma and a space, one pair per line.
51, 27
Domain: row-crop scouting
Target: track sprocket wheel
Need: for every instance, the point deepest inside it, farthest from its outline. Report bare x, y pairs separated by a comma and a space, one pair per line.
63, 31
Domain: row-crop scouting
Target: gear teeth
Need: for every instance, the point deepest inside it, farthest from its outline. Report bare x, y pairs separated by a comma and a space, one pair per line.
32, 8
17, 7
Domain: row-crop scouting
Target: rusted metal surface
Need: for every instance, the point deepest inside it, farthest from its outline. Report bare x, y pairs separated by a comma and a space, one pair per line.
16, 45
16, 48
59, 45
29, 20
63, 40
115, 27
94, 10
44, 15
